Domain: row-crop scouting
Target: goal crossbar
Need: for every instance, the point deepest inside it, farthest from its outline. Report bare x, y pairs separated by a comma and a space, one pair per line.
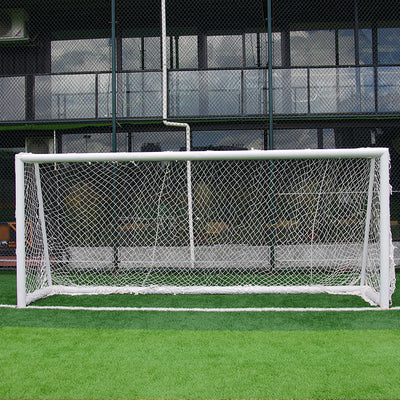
368, 152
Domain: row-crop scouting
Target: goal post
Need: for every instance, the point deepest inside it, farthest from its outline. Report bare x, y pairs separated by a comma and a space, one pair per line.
119, 223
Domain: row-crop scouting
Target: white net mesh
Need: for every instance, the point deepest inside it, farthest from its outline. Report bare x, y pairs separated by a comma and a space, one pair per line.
125, 226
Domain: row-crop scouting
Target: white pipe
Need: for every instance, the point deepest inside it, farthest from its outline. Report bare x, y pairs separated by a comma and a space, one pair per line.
165, 79
177, 125
164, 62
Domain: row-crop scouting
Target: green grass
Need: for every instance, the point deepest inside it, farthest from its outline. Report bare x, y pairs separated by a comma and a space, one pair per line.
77, 354
8, 287
153, 364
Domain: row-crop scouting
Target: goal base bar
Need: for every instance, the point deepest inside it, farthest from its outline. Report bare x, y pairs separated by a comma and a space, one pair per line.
365, 292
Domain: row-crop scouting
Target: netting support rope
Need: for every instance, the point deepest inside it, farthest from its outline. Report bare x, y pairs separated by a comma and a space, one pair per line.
42, 223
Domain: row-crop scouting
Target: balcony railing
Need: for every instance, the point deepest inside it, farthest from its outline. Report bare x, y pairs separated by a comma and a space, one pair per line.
198, 94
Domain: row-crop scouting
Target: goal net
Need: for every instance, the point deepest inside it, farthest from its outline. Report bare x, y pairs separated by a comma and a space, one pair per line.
205, 222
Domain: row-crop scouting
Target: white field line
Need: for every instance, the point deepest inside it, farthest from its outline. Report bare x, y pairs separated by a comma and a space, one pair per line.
216, 310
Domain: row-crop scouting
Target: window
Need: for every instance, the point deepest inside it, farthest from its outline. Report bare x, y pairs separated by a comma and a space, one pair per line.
183, 52
83, 55
141, 53
228, 140
144, 53
225, 51
157, 141
92, 142
256, 49
312, 48
95, 142
12, 101
389, 46
238, 51
65, 96
365, 45
389, 89
295, 139
346, 47
328, 138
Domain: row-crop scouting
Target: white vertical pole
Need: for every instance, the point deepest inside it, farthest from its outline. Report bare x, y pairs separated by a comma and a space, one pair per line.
43, 223
367, 222
20, 231
385, 236
178, 125
164, 61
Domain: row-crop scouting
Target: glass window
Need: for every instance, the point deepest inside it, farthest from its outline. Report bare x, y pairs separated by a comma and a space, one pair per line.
140, 95
328, 140
256, 49
295, 139
132, 58
213, 92
12, 101
224, 94
83, 55
389, 89
389, 45
254, 92
152, 53
225, 51
141, 53
312, 48
157, 141
185, 94
346, 47
290, 91
65, 96
335, 90
228, 140
256, 45
92, 142
365, 45
183, 51
144, 53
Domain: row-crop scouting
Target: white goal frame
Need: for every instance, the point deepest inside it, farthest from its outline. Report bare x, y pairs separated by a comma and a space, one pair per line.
386, 273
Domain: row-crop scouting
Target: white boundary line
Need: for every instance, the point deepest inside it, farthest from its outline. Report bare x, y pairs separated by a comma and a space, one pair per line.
205, 310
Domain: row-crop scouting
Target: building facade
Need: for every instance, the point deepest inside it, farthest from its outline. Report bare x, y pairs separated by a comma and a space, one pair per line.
243, 73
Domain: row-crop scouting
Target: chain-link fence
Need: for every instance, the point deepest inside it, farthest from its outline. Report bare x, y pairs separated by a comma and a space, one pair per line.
69, 82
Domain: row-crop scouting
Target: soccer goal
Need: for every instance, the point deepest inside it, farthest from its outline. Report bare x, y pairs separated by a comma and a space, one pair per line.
280, 221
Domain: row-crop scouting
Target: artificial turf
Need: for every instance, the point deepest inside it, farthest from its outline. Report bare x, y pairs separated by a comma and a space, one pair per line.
78, 354
8, 287
48, 363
